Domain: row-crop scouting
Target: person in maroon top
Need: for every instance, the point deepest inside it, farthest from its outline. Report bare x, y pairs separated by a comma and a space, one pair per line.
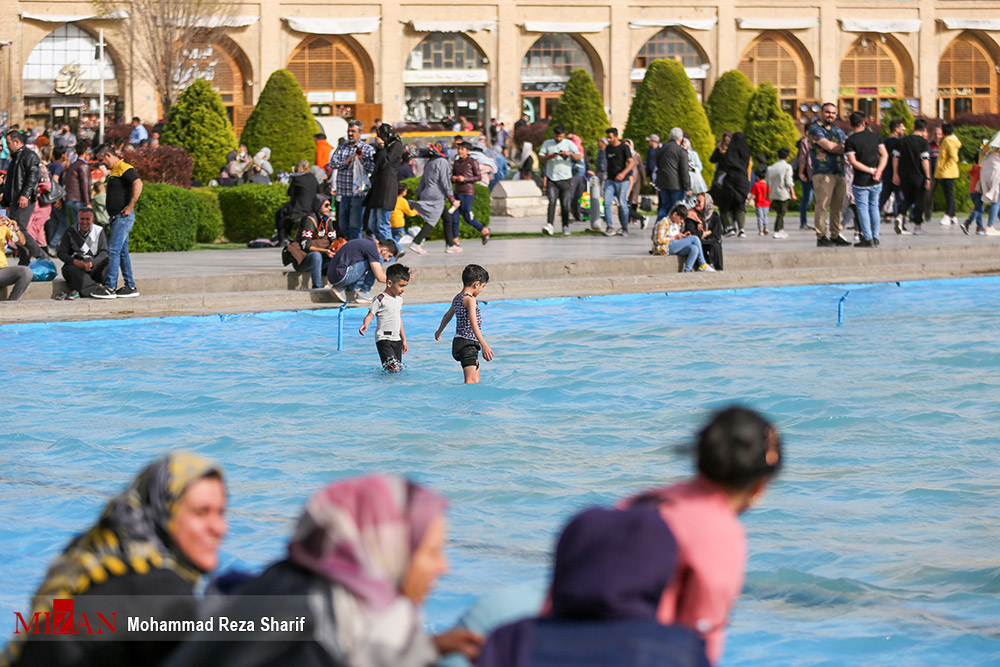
77, 181
465, 174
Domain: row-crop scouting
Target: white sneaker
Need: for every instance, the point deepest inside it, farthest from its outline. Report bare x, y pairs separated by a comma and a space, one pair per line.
452, 249
945, 220
547, 229
363, 298
992, 231
417, 248
780, 235
406, 239
339, 294
707, 267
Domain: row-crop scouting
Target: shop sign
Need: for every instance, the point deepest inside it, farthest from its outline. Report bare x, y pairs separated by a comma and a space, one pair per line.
944, 91
544, 87
887, 90
319, 96
867, 91
69, 80
847, 91
345, 96
963, 91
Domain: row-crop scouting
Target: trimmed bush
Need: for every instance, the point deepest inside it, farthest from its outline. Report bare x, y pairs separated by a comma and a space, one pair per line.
726, 106
198, 123
666, 99
208, 215
282, 122
767, 127
581, 112
535, 133
972, 137
166, 164
480, 211
248, 210
122, 131
164, 220
990, 120
897, 109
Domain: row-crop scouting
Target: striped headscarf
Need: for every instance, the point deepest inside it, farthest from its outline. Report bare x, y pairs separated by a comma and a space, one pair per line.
132, 535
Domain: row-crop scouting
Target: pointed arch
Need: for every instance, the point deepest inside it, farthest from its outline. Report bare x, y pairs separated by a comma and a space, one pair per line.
333, 64
546, 67
672, 44
874, 71
967, 77
780, 59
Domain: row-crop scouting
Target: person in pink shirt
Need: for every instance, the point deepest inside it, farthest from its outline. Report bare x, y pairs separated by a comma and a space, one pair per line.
738, 453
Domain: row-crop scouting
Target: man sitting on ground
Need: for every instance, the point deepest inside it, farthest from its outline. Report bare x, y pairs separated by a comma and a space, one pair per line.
356, 267
83, 251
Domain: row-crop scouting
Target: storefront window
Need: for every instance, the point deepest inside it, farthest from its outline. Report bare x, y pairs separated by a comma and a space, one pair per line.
446, 76
61, 81
545, 70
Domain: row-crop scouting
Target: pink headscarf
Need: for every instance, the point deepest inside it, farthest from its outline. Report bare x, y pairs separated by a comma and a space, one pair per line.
362, 532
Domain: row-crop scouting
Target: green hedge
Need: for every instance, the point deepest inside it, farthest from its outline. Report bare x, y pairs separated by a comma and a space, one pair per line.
208, 214
972, 137
164, 220
480, 211
248, 210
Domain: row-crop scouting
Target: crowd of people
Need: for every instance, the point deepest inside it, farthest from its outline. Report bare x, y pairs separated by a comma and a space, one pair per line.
65, 199
651, 581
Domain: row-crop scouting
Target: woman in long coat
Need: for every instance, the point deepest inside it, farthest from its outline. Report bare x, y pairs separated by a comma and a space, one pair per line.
433, 192
381, 198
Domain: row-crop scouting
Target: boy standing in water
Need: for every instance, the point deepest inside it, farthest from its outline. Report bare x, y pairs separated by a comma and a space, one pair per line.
390, 340
468, 323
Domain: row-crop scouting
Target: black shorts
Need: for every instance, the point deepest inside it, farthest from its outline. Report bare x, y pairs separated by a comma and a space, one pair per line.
389, 349
465, 352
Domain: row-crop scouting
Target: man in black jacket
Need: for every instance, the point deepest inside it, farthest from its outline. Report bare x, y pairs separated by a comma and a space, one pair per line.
20, 190
302, 191
672, 173
84, 254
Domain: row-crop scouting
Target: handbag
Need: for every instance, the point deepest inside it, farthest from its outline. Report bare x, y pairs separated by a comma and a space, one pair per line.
55, 193
645, 204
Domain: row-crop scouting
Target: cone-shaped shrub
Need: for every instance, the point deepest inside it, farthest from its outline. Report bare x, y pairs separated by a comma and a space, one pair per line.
198, 123
282, 122
727, 104
767, 127
581, 111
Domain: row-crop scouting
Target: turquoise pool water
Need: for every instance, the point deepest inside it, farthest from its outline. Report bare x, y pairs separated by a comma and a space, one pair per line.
877, 545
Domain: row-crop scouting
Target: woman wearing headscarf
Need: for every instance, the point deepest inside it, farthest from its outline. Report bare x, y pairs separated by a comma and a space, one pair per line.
381, 198
529, 162
363, 556
734, 187
611, 567
433, 191
989, 183
698, 184
703, 221
263, 160
152, 544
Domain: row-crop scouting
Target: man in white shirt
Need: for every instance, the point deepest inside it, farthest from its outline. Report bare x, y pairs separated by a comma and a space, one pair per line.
558, 155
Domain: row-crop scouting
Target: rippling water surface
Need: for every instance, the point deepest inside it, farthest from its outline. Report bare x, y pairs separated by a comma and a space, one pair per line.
878, 544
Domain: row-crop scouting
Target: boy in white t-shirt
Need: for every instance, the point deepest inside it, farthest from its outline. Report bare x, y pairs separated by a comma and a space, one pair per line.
390, 340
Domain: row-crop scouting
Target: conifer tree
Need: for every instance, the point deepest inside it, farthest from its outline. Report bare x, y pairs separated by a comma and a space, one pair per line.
767, 127
282, 122
727, 104
198, 123
581, 111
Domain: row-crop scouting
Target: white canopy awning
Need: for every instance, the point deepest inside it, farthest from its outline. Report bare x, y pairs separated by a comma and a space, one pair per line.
777, 23
331, 26
971, 24
559, 26
880, 25
223, 21
452, 26
692, 24
638, 74
445, 76
70, 18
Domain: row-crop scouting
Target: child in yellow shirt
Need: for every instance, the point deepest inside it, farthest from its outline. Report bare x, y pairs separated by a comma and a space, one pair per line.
397, 220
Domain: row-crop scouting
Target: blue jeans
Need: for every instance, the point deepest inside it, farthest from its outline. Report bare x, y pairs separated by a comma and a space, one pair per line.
464, 211
359, 278
351, 215
378, 223
994, 210
74, 206
668, 199
59, 222
616, 190
118, 256
690, 247
398, 233
866, 200
312, 262
977, 210
807, 197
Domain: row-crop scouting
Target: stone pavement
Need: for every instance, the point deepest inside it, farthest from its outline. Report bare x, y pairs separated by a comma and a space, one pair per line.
253, 279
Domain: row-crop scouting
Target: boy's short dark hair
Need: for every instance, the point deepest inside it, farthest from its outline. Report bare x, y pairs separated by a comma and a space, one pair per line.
397, 272
103, 150
919, 124
58, 152
761, 172
680, 210
947, 129
612, 131
559, 129
783, 153
894, 124
737, 448
81, 146
390, 245
474, 273
857, 118
402, 189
